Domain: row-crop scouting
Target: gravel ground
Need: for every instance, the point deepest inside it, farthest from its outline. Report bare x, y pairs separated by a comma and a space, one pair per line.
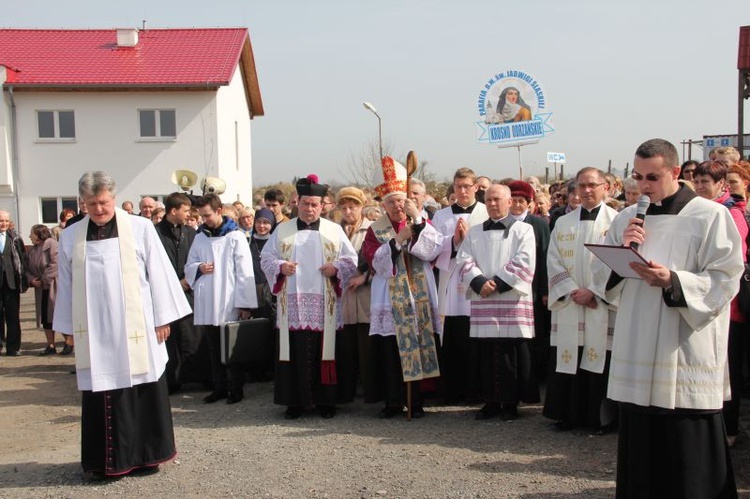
249, 450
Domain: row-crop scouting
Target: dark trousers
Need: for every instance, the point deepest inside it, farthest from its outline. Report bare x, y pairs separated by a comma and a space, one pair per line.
10, 308
738, 343
456, 362
218, 370
183, 342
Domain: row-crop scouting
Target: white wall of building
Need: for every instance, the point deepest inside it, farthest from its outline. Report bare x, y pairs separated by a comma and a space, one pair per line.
108, 138
235, 164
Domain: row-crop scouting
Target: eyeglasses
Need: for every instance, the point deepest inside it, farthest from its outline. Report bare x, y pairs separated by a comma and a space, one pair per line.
590, 185
649, 177
462, 187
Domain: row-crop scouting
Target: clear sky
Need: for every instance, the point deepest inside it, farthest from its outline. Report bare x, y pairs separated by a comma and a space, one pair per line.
614, 72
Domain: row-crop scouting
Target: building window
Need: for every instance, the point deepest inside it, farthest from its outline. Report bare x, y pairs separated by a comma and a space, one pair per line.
157, 123
51, 208
56, 125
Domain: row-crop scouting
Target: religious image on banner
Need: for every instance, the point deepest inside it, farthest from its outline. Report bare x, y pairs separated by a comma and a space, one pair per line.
513, 110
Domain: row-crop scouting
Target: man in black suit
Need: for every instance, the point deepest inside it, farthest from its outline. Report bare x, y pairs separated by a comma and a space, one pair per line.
185, 339
12, 284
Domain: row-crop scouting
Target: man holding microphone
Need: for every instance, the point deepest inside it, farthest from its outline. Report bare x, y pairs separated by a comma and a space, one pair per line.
670, 339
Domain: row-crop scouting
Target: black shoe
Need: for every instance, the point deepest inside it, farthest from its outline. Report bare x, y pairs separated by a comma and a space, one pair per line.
72, 371
233, 398
488, 411
390, 412
509, 413
50, 350
214, 397
67, 350
327, 411
293, 412
13, 354
417, 412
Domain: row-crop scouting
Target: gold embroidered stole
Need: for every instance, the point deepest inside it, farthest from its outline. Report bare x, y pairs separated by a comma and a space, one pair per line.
412, 311
330, 243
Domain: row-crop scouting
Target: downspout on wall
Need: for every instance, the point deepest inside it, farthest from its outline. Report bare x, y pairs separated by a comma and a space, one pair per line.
14, 155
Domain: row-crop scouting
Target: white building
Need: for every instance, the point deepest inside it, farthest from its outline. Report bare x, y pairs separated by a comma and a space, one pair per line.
138, 105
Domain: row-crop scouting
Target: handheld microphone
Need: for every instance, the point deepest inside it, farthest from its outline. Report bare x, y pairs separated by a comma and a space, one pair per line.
640, 214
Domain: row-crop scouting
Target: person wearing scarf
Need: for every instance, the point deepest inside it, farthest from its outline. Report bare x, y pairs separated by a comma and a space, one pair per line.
111, 266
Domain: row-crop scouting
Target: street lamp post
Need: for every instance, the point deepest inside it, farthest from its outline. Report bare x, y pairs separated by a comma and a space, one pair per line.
374, 111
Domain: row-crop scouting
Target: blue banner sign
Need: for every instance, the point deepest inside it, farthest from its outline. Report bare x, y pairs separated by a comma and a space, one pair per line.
513, 110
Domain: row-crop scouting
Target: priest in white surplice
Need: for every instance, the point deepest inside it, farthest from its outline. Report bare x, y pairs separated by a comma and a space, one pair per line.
582, 323
496, 262
117, 293
453, 222
669, 351
308, 261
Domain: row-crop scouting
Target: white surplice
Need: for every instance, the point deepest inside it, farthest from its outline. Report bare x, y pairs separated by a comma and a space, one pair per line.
305, 289
452, 298
161, 294
675, 357
230, 287
490, 254
569, 266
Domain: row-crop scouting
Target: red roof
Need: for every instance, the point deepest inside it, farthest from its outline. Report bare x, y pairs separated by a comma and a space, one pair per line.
92, 57
203, 58
743, 61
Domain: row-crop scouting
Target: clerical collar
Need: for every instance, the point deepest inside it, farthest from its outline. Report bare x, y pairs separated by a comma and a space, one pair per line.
503, 224
673, 204
457, 210
587, 215
520, 217
96, 232
304, 226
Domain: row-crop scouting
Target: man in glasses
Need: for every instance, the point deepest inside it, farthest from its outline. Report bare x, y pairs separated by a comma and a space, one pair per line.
670, 340
582, 322
454, 222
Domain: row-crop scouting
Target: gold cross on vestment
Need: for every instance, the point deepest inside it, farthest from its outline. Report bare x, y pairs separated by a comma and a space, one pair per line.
80, 331
592, 354
136, 337
566, 357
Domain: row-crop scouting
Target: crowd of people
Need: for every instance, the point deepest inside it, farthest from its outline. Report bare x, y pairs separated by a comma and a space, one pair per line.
475, 298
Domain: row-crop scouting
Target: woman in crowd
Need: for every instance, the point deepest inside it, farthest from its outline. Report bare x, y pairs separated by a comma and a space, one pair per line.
710, 181
738, 179
352, 341
65, 215
246, 222
157, 215
632, 191
42, 275
543, 203
687, 169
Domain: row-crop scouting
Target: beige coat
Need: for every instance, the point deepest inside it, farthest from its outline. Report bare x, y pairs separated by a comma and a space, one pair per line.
355, 306
42, 264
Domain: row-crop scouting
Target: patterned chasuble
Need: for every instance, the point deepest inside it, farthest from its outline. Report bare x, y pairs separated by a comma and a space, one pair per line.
417, 351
